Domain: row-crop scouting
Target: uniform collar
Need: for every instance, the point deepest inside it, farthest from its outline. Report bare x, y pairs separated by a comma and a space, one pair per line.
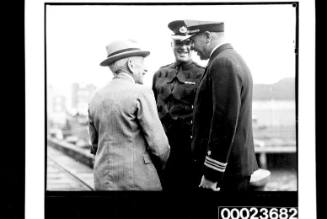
216, 47
219, 48
125, 76
184, 65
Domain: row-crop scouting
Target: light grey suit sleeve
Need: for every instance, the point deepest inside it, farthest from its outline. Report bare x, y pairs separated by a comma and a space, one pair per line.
93, 135
154, 133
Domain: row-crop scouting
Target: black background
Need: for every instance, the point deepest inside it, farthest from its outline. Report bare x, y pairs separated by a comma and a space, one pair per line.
320, 108
148, 205
13, 110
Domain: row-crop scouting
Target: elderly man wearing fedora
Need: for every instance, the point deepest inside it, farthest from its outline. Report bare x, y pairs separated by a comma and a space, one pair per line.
127, 137
222, 146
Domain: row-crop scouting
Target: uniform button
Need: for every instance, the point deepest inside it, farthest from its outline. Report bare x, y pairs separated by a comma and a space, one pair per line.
192, 106
191, 136
191, 121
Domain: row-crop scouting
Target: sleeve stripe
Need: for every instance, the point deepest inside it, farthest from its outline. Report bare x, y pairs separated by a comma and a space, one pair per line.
214, 167
213, 164
216, 162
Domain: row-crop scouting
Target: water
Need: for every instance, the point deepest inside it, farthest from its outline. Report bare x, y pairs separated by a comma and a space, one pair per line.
274, 112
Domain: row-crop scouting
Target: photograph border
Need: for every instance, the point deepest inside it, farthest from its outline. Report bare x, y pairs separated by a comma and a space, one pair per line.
271, 198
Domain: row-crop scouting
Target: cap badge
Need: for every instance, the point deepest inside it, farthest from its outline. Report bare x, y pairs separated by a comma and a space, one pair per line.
183, 29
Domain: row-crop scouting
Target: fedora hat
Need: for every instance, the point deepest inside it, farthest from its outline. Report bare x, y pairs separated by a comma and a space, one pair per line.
121, 49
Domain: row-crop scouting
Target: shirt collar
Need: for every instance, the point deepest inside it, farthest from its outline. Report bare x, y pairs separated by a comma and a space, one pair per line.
216, 47
126, 75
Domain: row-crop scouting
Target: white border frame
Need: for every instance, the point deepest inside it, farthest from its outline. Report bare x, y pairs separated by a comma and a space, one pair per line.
35, 108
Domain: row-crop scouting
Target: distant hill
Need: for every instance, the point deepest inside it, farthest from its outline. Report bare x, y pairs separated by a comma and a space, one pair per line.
282, 90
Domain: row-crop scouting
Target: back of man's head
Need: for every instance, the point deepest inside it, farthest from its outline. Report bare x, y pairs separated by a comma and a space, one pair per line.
119, 66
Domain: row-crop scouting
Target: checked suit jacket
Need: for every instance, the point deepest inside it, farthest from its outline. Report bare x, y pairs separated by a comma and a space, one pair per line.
127, 137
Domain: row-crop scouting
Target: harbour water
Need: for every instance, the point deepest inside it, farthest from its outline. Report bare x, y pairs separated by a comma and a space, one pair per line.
274, 112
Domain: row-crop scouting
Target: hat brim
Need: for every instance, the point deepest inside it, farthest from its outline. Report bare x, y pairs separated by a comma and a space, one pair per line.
180, 37
122, 55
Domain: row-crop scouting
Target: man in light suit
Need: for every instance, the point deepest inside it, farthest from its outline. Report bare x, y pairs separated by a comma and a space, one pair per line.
127, 137
222, 146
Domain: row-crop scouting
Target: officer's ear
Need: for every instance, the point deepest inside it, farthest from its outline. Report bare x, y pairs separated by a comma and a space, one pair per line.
130, 65
208, 36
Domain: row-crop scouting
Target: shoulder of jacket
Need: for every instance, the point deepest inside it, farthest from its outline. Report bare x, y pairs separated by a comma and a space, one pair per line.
99, 92
171, 65
141, 89
222, 58
164, 68
144, 94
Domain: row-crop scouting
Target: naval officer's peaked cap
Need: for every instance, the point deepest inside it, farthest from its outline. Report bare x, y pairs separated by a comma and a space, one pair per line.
185, 29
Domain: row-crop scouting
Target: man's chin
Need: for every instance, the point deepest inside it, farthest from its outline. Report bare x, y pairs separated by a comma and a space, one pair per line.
183, 58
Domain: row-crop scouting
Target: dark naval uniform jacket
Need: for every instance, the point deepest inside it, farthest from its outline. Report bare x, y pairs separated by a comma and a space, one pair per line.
222, 143
174, 88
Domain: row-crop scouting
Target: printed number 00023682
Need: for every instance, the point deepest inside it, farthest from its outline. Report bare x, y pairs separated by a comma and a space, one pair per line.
257, 213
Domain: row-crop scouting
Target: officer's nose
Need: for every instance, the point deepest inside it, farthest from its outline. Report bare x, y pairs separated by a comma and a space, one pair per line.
184, 46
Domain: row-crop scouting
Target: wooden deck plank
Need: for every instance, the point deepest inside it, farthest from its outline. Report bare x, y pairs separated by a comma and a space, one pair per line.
60, 180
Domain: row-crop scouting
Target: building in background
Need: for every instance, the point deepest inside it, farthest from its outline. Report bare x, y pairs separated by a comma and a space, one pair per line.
81, 95
67, 112
56, 108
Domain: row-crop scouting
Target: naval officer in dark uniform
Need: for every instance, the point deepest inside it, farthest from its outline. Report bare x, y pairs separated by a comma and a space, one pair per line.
174, 88
222, 145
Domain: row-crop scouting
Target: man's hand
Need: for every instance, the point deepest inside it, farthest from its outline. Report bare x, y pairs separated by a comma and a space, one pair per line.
207, 184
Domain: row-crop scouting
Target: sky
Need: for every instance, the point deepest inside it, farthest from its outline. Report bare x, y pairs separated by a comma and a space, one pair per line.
76, 36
